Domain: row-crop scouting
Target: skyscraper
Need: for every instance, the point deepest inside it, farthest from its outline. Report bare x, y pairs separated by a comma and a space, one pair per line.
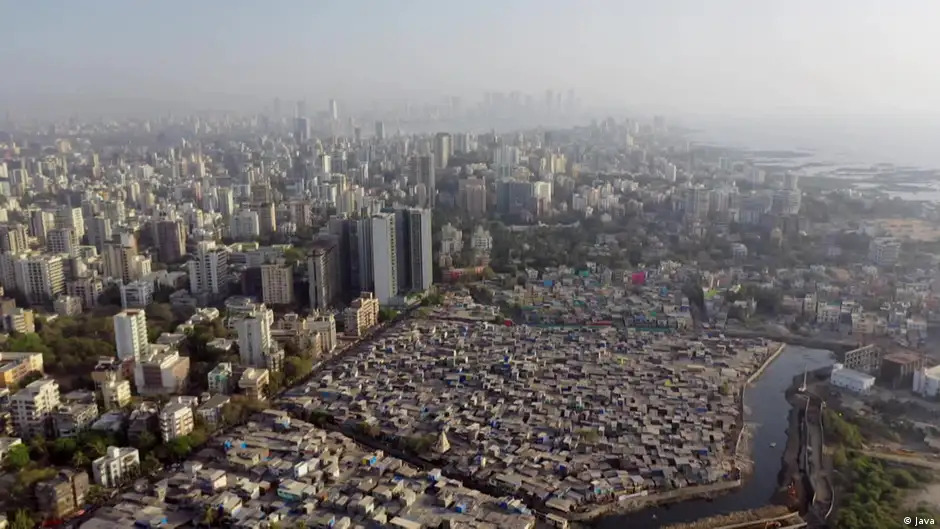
302, 129
380, 130
171, 240
384, 257
323, 270
334, 110
99, 232
424, 174
443, 148
419, 240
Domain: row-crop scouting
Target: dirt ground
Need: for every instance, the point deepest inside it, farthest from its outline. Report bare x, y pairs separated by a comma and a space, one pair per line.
929, 495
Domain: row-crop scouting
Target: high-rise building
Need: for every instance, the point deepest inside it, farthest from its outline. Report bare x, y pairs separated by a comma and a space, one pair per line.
323, 271
384, 257
130, 334
69, 217
14, 238
62, 241
171, 240
277, 283
32, 407
267, 220
302, 129
419, 240
40, 222
254, 336
226, 201
207, 272
380, 130
471, 196
41, 278
245, 225
120, 258
99, 232
424, 175
334, 110
443, 148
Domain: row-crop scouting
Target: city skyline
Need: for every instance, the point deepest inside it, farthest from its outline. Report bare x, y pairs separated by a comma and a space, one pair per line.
734, 56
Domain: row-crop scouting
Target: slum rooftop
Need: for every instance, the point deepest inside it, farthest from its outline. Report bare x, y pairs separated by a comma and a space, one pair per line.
576, 416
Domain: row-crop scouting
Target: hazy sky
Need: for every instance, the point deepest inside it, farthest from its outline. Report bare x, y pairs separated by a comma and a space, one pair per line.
740, 56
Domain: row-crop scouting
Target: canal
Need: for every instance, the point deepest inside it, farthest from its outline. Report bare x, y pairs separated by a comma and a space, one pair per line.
768, 409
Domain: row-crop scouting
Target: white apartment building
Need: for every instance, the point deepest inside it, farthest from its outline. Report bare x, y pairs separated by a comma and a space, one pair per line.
208, 270
137, 294
254, 335
40, 277
67, 306
130, 333
277, 284
481, 240
33, 406
111, 469
176, 420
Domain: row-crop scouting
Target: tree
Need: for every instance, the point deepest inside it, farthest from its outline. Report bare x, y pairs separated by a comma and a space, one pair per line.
145, 442
80, 460
17, 458
63, 449
296, 368
149, 465
96, 495
22, 520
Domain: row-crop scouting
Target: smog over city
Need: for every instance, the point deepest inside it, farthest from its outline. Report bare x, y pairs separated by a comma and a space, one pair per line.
492, 265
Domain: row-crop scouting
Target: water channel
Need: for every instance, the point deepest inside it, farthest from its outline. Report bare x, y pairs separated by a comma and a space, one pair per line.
767, 419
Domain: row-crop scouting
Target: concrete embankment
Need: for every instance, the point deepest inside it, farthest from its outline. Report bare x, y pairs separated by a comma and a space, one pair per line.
636, 503
813, 342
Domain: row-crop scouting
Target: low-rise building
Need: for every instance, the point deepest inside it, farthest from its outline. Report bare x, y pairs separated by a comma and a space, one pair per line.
69, 420
221, 379
161, 373
362, 314
176, 420
14, 367
211, 410
116, 466
67, 305
254, 382
137, 294
849, 379
63, 494
927, 382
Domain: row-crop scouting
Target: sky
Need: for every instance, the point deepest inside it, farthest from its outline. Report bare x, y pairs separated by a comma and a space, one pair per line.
742, 57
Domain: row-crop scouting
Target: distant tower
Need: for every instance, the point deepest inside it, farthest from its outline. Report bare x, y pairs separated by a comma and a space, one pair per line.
334, 110
301, 109
380, 130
